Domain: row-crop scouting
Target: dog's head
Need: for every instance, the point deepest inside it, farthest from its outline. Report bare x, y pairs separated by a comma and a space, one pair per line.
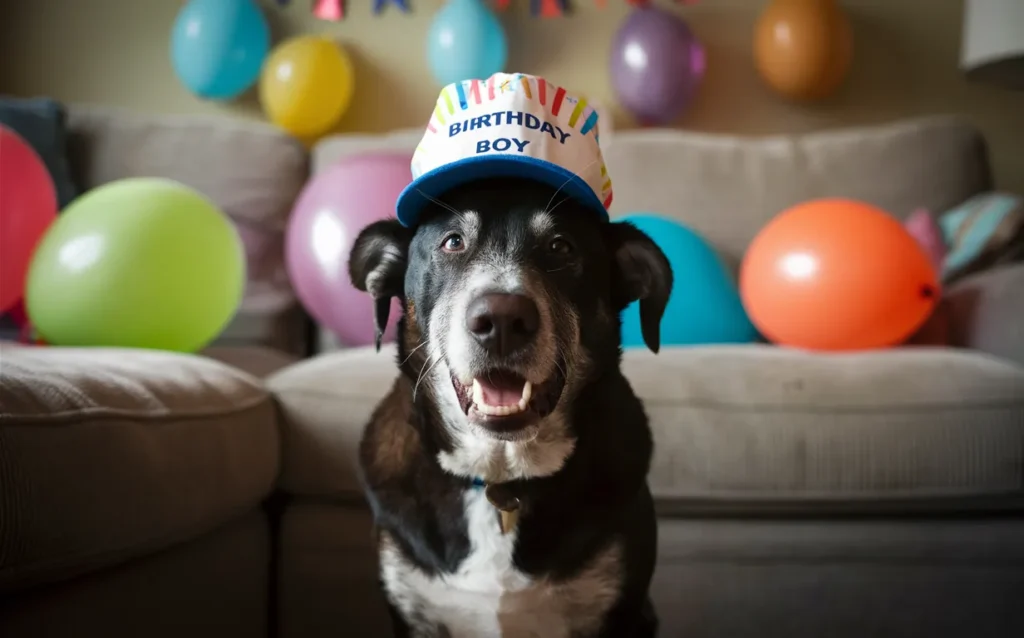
511, 296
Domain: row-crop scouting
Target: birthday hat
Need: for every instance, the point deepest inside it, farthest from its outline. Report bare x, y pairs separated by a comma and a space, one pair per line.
509, 125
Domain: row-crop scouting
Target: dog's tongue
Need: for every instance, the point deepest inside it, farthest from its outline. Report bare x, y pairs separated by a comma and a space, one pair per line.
498, 390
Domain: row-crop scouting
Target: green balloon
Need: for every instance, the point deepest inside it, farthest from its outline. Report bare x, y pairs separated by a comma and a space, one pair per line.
138, 263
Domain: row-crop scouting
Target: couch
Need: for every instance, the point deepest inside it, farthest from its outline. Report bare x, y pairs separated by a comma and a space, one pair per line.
869, 494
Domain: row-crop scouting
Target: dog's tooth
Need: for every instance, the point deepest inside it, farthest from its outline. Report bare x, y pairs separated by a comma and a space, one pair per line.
524, 400
478, 394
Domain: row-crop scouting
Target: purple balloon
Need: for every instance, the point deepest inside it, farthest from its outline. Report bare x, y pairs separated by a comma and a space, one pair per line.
333, 207
656, 65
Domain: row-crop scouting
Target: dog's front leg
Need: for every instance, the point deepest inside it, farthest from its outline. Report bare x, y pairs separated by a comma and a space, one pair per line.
401, 627
631, 620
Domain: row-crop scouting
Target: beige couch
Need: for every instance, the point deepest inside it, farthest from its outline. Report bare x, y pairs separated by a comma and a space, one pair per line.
875, 494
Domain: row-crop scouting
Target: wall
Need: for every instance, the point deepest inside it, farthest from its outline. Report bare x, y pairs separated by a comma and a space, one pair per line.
116, 52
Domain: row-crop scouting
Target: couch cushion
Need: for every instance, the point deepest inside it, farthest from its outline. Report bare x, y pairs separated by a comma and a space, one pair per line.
251, 170
107, 454
743, 425
728, 187
762, 423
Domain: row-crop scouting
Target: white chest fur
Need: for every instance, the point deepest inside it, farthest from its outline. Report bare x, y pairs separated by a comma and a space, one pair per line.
488, 597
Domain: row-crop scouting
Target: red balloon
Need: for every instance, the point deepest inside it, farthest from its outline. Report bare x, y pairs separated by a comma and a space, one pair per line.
837, 274
28, 205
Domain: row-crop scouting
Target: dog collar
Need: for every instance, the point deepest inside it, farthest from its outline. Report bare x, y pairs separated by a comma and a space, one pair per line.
504, 501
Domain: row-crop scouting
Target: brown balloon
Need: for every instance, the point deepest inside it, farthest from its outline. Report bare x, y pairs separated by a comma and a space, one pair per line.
803, 48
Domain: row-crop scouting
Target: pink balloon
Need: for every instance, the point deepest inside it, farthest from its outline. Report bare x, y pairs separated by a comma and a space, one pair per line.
333, 207
28, 205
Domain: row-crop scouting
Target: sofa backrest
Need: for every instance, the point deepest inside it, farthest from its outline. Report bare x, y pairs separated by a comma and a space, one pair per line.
728, 187
251, 170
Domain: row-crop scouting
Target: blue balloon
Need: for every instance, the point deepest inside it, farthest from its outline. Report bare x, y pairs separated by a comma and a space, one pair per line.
218, 46
465, 42
705, 305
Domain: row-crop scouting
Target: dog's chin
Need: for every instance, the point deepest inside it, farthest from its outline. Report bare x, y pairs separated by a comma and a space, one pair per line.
501, 404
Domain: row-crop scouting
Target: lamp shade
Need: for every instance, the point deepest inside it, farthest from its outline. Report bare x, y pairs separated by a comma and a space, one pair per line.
992, 50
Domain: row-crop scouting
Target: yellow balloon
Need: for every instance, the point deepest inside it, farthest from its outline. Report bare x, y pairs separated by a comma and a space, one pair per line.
306, 85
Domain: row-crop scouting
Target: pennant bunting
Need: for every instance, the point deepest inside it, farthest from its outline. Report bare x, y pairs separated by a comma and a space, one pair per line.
378, 5
331, 10
638, 3
547, 8
501, 5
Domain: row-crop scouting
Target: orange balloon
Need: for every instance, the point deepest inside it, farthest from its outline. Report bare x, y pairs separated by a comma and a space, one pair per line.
803, 48
837, 274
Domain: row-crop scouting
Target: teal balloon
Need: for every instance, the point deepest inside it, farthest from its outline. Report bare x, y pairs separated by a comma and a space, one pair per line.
705, 305
465, 42
218, 46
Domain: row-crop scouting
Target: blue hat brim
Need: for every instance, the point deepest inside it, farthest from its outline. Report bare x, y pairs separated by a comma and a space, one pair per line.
442, 179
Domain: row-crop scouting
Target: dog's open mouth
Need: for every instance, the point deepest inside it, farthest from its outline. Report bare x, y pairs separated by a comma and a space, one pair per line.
503, 400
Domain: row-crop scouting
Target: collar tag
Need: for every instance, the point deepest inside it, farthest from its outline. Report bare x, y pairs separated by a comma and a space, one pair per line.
507, 504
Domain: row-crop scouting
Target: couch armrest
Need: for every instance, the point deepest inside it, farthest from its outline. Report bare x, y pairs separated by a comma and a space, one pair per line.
109, 454
987, 312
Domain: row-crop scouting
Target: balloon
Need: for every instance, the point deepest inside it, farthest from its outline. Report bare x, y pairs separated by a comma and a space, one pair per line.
306, 85
28, 205
333, 207
139, 263
704, 307
465, 42
837, 274
802, 48
656, 65
218, 46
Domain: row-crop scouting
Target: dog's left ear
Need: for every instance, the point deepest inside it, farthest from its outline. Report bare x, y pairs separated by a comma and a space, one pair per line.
377, 265
640, 271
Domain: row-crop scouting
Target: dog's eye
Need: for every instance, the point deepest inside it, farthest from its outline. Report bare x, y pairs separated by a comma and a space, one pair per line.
453, 243
560, 246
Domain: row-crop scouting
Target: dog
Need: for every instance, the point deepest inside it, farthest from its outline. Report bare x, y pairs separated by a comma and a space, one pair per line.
506, 467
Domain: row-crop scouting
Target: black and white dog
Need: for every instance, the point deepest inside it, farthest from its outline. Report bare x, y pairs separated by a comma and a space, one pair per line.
506, 468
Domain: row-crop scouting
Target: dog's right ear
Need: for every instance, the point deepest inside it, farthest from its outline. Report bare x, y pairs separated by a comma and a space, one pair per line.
377, 265
640, 272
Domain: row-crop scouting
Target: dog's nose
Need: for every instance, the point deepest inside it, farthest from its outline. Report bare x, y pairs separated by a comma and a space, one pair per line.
503, 323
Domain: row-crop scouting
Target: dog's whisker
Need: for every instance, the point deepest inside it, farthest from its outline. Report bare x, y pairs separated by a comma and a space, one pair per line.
562, 201
547, 207
443, 205
412, 352
423, 373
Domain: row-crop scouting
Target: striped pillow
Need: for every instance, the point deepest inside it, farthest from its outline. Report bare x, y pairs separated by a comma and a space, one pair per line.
986, 230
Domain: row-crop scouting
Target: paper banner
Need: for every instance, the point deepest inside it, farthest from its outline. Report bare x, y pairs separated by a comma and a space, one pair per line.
547, 8
638, 3
378, 5
329, 10
501, 5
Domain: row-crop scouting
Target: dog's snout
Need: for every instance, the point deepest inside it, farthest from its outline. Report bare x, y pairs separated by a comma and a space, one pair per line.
503, 323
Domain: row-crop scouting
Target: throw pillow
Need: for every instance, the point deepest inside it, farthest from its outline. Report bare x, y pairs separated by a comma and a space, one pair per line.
926, 230
984, 231
41, 123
